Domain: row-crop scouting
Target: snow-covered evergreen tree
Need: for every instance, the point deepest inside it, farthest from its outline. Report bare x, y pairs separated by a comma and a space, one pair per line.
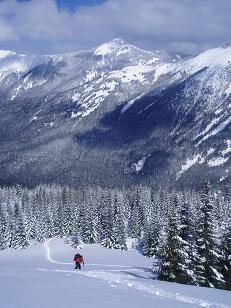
137, 220
186, 236
189, 232
19, 236
4, 235
226, 261
119, 225
208, 256
174, 265
108, 235
150, 241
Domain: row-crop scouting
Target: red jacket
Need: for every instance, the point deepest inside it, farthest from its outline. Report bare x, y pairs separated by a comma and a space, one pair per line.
78, 259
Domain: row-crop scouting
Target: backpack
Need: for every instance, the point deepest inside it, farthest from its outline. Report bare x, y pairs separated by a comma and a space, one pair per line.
77, 256
78, 259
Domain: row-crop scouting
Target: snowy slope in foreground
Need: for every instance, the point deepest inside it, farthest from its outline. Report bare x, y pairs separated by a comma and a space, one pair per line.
43, 276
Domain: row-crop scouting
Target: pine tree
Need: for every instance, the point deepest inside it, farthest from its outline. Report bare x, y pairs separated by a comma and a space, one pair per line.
187, 269
40, 230
19, 236
173, 257
208, 258
50, 228
149, 241
88, 219
66, 212
59, 223
108, 236
152, 228
30, 221
137, 221
226, 261
134, 227
4, 236
119, 225
21, 240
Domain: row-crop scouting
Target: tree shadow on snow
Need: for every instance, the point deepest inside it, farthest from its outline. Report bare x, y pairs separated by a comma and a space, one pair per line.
147, 270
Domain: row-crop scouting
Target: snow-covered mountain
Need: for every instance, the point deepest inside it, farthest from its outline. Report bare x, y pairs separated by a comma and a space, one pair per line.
87, 78
115, 110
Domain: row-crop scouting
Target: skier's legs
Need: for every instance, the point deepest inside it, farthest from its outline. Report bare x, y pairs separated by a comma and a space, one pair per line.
78, 266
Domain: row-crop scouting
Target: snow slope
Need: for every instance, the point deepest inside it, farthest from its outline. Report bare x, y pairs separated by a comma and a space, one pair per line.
43, 276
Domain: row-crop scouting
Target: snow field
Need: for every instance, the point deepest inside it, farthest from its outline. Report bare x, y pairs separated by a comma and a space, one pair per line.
43, 276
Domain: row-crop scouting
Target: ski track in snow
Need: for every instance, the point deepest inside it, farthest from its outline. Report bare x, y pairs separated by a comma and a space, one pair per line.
50, 259
128, 281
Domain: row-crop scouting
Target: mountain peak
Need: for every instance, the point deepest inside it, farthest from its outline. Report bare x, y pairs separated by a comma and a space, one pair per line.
219, 56
119, 41
112, 47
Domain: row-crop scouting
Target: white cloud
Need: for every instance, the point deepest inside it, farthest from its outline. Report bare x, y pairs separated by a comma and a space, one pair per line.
7, 33
181, 25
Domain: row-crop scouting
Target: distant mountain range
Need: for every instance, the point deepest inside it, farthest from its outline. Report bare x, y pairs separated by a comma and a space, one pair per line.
116, 115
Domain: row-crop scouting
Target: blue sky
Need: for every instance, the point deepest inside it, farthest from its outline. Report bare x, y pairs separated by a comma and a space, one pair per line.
73, 4
56, 26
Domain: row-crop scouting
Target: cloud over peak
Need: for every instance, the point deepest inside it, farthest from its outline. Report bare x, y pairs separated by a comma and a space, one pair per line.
180, 25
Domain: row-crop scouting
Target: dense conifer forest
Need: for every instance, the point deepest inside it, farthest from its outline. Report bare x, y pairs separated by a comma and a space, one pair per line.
188, 234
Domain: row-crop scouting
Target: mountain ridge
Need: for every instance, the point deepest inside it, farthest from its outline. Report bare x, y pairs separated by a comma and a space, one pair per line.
163, 113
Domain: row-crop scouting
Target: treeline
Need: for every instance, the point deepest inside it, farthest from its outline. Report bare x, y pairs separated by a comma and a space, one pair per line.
187, 233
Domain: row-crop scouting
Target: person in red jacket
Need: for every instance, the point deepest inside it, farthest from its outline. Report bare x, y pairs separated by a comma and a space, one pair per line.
78, 260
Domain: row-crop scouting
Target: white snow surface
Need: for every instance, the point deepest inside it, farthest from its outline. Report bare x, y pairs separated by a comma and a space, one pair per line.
210, 151
216, 130
208, 127
116, 46
43, 276
211, 58
122, 68
228, 149
140, 164
190, 162
130, 103
109, 47
6, 53
217, 161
